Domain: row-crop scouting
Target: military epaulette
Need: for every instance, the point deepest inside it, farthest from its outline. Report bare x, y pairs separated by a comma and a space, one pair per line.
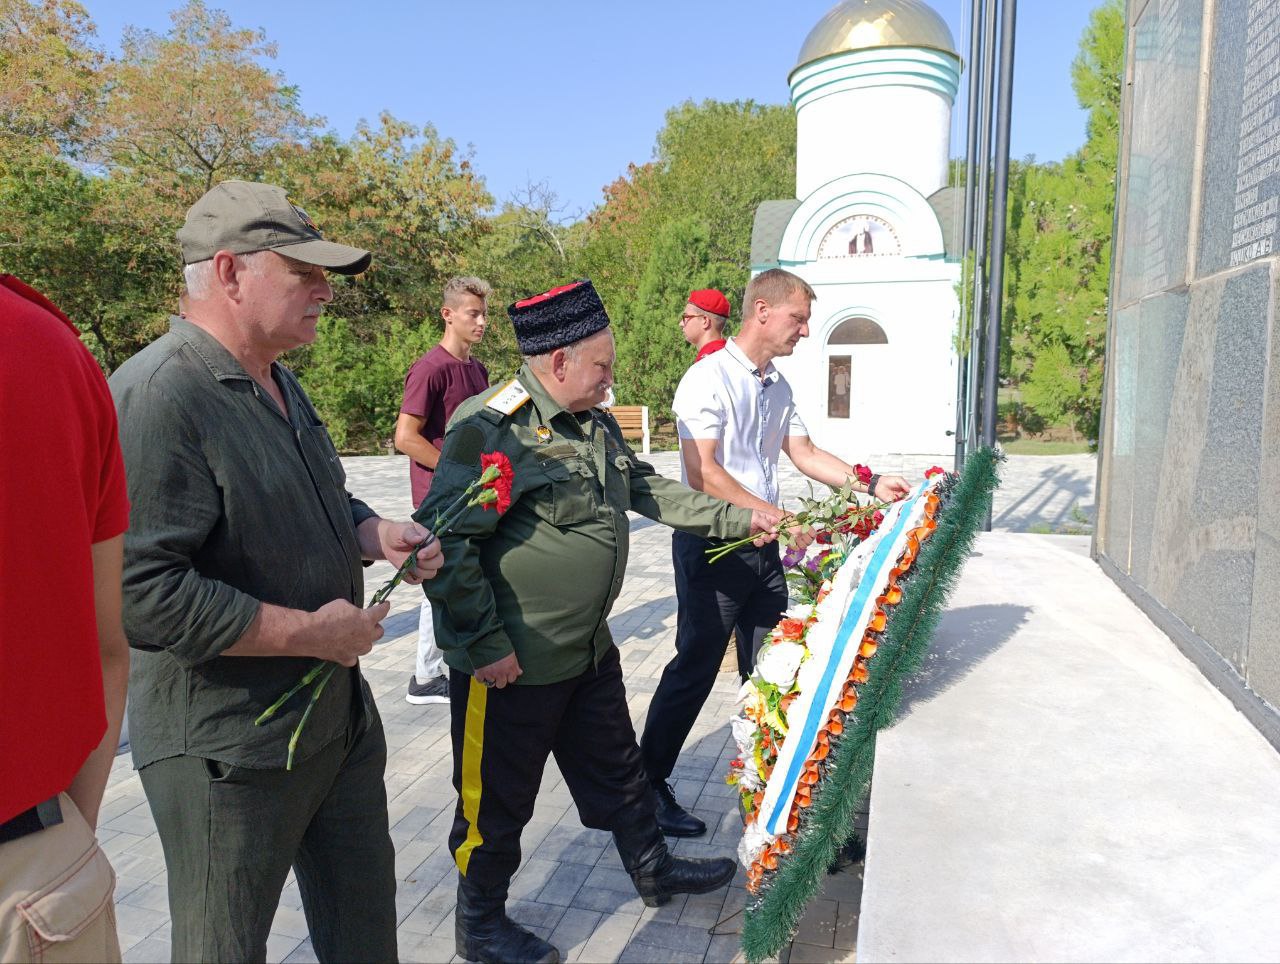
505, 401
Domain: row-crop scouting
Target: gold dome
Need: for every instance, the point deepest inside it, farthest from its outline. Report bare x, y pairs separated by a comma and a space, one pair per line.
860, 24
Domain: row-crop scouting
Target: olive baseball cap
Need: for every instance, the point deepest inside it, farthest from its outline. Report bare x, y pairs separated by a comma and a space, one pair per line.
244, 216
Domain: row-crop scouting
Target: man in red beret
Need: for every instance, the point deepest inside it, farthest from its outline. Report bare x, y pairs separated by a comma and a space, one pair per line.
704, 320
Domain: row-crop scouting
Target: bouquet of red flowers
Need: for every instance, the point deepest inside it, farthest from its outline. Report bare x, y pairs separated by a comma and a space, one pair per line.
494, 485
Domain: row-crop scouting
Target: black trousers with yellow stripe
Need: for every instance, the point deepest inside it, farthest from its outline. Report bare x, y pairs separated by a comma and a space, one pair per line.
501, 739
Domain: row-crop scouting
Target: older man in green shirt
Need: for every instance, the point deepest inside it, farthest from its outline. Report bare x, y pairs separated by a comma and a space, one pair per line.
242, 568
521, 618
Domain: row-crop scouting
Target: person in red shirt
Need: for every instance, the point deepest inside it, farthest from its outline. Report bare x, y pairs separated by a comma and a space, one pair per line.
64, 659
704, 320
435, 385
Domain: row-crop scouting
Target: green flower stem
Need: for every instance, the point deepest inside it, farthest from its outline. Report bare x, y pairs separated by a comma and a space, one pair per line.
443, 521
311, 705
270, 711
789, 520
450, 516
716, 553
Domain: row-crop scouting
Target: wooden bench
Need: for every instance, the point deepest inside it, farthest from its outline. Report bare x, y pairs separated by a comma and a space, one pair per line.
634, 422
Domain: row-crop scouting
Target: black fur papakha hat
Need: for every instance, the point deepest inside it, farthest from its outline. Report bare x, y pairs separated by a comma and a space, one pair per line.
557, 318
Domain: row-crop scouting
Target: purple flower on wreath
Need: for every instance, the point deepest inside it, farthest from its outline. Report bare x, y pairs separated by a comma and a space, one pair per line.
792, 557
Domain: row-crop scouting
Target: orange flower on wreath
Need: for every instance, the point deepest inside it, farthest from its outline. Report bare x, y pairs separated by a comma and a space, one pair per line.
792, 629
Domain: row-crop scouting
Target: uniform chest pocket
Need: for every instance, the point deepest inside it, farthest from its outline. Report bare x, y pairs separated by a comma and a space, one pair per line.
569, 498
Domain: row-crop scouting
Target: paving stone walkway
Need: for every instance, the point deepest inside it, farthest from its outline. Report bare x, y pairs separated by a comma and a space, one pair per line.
571, 888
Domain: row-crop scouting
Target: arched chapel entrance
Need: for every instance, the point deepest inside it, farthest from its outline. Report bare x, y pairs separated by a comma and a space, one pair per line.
851, 356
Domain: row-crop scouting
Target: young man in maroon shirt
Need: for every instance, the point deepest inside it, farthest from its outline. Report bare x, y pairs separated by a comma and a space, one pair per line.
436, 384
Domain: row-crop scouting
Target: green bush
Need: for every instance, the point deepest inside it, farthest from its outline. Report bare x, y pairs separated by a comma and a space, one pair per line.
357, 384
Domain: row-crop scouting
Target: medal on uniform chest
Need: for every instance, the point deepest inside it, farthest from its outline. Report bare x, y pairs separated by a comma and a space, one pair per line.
543, 433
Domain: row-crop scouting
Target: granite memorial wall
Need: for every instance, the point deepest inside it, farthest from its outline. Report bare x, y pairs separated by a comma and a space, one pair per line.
1189, 468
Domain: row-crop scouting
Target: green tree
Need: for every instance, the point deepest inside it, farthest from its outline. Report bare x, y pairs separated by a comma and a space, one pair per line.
197, 106
652, 352
403, 192
714, 161
356, 383
528, 247
1061, 254
50, 74
52, 235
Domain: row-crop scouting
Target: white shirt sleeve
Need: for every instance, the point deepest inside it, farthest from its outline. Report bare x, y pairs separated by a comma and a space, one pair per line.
698, 407
795, 427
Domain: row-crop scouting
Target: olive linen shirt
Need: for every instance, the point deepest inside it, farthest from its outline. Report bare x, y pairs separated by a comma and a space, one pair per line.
540, 579
234, 505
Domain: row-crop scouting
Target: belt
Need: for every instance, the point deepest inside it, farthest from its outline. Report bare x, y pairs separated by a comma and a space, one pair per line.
39, 817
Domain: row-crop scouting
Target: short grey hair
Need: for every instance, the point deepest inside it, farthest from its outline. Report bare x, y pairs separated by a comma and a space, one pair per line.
542, 363
199, 278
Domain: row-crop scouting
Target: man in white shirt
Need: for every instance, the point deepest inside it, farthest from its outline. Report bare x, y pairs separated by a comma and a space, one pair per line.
735, 413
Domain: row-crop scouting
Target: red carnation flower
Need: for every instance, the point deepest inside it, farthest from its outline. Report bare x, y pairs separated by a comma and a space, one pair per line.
499, 482
863, 473
936, 470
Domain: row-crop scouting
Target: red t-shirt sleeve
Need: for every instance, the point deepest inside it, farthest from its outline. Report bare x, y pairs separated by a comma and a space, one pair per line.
113, 493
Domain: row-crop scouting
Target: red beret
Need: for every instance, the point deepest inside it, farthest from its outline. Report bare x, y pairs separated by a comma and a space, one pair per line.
708, 299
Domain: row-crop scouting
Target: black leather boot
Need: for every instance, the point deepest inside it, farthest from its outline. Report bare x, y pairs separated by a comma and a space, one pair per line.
658, 875
483, 932
674, 819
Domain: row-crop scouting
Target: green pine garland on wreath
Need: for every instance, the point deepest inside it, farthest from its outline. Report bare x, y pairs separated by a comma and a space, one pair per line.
772, 918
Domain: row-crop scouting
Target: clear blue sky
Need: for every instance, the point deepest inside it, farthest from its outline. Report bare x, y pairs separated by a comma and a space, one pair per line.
570, 91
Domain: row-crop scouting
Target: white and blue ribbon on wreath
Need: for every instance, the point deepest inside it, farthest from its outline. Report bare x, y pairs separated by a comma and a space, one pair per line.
873, 579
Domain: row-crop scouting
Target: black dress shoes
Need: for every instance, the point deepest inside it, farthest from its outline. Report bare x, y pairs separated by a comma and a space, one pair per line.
673, 819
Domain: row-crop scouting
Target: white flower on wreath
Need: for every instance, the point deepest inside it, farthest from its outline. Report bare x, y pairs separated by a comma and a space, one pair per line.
779, 663
754, 839
744, 734
800, 611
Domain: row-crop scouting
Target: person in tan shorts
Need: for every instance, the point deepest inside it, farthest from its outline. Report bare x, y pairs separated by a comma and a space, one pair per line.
64, 660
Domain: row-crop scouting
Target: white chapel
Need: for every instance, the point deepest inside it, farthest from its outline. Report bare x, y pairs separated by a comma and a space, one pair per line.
874, 229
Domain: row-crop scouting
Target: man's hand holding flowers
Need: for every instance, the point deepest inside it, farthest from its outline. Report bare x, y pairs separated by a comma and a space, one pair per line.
416, 553
393, 541
764, 525
801, 535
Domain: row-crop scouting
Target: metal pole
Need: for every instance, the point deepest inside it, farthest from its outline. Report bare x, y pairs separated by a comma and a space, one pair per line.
1000, 205
966, 236
985, 98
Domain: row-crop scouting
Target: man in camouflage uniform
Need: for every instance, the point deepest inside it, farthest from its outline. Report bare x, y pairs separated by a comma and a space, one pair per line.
521, 618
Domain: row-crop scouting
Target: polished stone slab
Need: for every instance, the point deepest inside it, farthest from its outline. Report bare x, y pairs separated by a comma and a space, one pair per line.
1064, 785
1155, 234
